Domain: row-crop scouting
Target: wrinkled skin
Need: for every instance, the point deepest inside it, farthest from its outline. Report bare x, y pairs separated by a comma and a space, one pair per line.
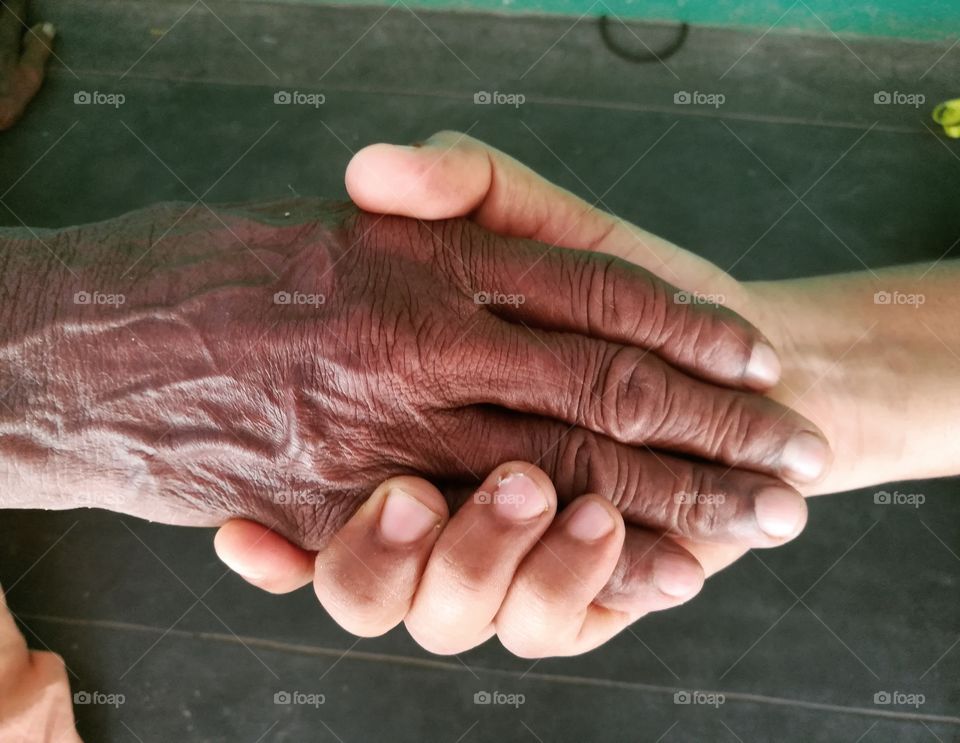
201, 396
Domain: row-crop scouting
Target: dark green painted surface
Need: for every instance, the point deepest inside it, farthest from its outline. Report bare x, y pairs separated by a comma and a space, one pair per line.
920, 19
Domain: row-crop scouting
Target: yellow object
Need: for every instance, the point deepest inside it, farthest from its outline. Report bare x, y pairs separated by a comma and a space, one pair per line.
947, 115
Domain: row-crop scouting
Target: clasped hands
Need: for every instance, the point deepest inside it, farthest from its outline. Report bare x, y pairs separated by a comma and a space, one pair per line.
627, 487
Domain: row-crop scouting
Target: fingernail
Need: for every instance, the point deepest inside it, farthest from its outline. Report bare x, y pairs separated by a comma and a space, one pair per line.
49, 29
805, 457
676, 575
778, 511
763, 368
590, 522
404, 519
518, 498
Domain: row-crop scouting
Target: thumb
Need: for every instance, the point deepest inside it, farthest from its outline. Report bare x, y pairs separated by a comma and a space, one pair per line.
262, 557
430, 181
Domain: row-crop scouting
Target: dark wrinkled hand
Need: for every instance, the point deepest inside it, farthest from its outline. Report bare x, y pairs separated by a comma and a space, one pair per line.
278, 363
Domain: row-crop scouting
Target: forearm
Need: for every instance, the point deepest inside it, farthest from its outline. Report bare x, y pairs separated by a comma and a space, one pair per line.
113, 347
880, 373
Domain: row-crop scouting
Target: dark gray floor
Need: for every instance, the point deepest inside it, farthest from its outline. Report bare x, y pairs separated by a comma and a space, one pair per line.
146, 611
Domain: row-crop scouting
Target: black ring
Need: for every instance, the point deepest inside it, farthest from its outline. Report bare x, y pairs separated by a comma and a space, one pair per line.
642, 57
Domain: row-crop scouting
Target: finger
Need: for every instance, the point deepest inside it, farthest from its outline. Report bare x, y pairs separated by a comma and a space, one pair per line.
636, 398
693, 499
262, 557
37, 48
13, 646
549, 608
606, 297
27, 73
653, 573
455, 175
367, 575
12, 25
474, 560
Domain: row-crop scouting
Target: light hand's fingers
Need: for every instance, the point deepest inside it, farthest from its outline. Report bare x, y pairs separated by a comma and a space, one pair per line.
573, 593
262, 557
368, 573
548, 610
474, 560
454, 175
13, 646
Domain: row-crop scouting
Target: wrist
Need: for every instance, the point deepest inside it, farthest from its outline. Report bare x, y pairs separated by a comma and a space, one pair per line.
841, 372
139, 354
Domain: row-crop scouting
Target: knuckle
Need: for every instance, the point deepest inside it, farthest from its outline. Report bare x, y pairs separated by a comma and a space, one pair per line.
356, 605
700, 505
636, 396
433, 639
528, 639
468, 580
585, 463
734, 428
624, 300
